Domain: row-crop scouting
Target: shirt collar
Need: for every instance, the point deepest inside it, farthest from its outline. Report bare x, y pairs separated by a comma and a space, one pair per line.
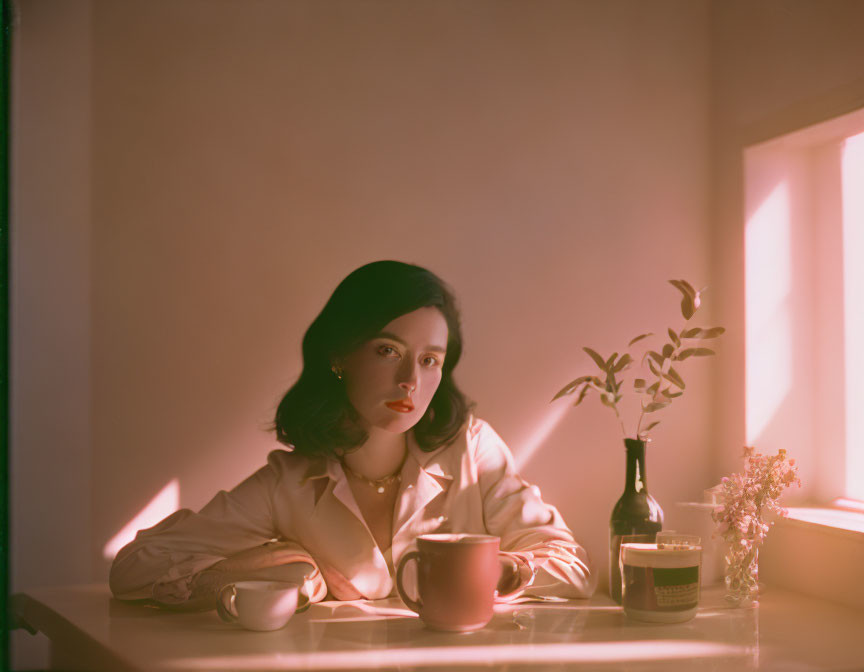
321, 466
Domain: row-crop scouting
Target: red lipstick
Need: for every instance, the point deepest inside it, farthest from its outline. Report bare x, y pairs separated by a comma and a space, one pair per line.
401, 405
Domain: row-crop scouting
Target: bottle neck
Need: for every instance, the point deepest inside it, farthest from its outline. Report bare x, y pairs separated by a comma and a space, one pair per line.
636, 481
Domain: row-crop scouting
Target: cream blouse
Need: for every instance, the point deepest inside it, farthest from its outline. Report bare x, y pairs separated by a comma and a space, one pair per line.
302, 509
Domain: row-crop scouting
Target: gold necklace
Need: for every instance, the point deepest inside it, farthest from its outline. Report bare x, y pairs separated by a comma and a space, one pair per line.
378, 483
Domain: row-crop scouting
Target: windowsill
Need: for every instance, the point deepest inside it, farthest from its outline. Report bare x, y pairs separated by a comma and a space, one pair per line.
831, 520
816, 550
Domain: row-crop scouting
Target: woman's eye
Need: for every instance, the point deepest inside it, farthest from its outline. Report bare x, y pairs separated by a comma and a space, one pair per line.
430, 361
387, 351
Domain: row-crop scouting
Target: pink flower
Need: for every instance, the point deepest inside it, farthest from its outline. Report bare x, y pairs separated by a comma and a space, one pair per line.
743, 500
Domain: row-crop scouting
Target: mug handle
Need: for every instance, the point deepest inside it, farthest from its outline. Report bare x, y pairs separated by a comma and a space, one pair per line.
411, 604
525, 571
225, 607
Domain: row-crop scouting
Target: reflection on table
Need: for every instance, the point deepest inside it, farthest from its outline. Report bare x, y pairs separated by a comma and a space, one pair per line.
89, 628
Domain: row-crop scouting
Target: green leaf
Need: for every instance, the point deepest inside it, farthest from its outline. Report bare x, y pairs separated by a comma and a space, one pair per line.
639, 338
670, 395
605, 401
696, 332
684, 287
670, 379
651, 426
610, 361
668, 350
570, 387
696, 352
598, 385
656, 356
654, 369
582, 394
688, 299
653, 389
672, 375
623, 363
654, 406
674, 337
598, 360
687, 307
639, 384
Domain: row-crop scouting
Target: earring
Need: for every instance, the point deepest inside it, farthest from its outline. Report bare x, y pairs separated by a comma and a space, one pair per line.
337, 371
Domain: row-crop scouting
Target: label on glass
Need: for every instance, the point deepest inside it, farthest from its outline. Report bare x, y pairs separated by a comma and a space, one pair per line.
661, 588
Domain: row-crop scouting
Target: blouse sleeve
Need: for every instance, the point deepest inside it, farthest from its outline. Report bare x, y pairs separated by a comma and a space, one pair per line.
530, 529
162, 562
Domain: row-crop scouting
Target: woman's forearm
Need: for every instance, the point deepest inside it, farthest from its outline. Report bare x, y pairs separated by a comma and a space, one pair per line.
208, 583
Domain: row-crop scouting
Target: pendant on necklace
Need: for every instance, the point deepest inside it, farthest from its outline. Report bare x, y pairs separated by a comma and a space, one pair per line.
380, 489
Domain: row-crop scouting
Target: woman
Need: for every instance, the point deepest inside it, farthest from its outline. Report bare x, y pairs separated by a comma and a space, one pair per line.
382, 448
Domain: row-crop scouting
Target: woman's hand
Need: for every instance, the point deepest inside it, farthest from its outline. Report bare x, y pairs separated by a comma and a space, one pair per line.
509, 578
208, 583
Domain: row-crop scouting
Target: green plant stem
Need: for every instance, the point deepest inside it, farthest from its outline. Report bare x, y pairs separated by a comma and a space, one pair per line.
659, 386
620, 419
747, 579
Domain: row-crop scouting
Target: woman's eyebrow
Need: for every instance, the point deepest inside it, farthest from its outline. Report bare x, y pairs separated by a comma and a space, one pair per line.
394, 337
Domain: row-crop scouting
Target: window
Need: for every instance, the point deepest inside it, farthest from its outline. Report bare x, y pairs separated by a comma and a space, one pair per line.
804, 266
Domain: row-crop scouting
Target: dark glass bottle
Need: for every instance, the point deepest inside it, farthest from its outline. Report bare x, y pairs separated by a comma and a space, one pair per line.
636, 512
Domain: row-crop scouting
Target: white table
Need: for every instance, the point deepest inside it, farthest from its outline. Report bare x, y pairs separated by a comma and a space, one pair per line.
90, 630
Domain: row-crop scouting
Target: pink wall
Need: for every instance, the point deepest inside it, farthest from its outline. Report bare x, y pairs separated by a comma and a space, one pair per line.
551, 160
548, 159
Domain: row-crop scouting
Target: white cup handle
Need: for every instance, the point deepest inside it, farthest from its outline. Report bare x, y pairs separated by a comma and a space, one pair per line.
225, 603
303, 602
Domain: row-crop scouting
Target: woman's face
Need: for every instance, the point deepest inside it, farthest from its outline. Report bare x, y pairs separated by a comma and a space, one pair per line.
391, 378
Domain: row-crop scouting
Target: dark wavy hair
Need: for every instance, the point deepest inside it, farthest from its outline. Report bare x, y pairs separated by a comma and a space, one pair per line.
315, 416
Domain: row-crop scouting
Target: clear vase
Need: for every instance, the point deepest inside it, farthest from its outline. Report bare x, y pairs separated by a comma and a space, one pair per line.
742, 576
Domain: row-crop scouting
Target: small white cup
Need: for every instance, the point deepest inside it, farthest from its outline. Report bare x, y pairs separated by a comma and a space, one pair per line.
260, 605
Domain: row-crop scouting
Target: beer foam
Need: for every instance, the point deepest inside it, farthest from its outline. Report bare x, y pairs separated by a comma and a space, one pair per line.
649, 555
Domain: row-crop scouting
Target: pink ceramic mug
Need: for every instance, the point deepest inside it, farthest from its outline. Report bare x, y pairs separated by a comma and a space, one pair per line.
457, 577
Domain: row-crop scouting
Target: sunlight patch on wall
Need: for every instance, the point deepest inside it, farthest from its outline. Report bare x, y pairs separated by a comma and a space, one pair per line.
166, 502
853, 296
768, 268
541, 432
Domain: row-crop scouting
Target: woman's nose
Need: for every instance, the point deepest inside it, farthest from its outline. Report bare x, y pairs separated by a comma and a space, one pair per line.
408, 380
